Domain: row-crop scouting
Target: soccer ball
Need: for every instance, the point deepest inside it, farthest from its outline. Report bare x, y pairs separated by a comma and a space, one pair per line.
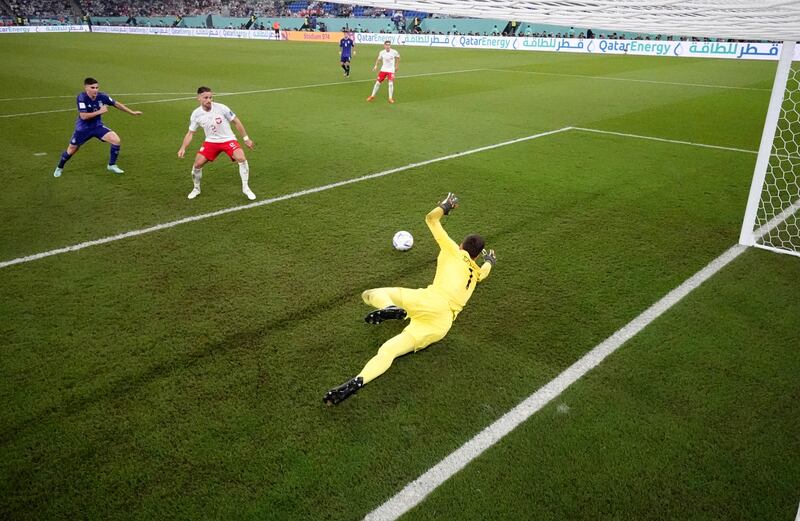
402, 241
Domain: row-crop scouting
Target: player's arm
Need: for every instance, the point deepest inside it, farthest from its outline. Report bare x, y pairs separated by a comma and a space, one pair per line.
374, 67
489, 260
123, 108
243, 132
397, 63
433, 220
89, 115
186, 140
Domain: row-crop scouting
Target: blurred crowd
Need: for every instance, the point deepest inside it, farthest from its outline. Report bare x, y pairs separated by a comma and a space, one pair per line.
64, 11
40, 8
159, 8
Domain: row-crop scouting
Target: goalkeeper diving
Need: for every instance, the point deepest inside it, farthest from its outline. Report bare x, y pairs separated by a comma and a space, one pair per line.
432, 310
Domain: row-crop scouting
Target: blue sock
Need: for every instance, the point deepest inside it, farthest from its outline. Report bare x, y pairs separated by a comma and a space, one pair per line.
114, 153
64, 158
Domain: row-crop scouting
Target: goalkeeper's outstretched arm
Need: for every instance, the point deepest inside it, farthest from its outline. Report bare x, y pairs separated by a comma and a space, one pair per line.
489, 260
433, 220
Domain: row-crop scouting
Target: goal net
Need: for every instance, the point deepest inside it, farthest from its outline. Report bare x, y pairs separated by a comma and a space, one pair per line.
738, 19
772, 220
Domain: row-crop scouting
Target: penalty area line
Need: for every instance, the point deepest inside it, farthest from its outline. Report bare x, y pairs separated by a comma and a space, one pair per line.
679, 142
664, 140
194, 218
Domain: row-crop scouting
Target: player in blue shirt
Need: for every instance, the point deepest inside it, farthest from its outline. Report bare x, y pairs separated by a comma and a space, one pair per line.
92, 104
347, 44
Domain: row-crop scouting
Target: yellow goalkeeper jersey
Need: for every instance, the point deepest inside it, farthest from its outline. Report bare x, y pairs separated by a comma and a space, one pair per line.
456, 273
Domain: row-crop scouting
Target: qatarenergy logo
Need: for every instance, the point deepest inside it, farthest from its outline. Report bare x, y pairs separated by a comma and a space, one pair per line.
635, 46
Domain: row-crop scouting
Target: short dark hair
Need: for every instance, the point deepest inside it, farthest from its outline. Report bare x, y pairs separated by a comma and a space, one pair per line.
473, 244
90, 81
387, 41
201, 90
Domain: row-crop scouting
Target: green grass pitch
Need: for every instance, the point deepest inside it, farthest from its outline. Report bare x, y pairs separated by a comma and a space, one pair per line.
179, 374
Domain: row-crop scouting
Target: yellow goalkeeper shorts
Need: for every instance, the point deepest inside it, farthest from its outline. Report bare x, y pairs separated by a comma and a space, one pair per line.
430, 315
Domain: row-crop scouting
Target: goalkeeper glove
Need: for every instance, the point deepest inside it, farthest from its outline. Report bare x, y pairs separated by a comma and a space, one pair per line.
490, 257
450, 202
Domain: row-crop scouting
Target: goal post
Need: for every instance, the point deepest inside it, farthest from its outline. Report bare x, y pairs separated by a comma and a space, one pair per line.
771, 219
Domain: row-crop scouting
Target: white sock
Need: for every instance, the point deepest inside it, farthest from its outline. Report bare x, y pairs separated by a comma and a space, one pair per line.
375, 88
244, 173
391, 89
197, 174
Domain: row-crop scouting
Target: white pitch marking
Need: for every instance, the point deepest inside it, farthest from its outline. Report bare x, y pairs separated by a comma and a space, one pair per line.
678, 142
134, 233
417, 490
663, 140
40, 153
260, 91
636, 80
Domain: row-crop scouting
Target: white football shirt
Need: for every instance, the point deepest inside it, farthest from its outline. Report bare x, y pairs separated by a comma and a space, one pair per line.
389, 57
215, 123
